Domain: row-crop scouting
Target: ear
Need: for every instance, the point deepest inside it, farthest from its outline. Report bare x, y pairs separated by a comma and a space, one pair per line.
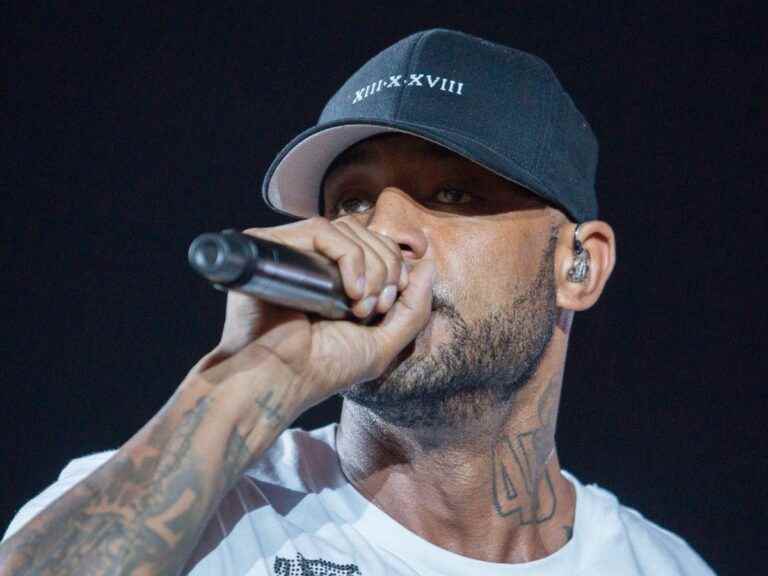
597, 238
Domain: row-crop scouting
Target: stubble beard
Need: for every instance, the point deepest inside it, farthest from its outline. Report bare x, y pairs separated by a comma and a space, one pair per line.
480, 368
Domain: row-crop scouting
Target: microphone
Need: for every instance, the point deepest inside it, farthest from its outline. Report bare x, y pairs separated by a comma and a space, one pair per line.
273, 272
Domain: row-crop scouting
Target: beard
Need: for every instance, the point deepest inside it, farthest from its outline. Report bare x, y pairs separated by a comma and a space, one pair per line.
481, 368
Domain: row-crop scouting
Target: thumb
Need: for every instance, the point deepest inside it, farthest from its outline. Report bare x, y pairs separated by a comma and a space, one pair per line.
410, 312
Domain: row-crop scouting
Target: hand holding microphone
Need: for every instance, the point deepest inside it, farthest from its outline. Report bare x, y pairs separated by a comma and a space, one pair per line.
297, 279
334, 269
273, 272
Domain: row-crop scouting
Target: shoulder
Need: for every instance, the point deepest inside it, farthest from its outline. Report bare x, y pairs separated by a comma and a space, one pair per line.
300, 460
653, 549
658, 549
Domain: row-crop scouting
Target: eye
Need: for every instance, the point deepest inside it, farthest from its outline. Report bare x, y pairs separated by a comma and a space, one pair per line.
445, 195
352, 205
451, 195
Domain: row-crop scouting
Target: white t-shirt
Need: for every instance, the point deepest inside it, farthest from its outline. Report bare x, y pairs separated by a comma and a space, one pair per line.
295, 514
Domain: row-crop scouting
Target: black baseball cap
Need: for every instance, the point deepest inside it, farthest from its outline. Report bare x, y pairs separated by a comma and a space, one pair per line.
497, 106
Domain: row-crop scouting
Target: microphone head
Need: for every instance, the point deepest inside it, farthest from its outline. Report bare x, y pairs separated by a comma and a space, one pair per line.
207, 254
211, 256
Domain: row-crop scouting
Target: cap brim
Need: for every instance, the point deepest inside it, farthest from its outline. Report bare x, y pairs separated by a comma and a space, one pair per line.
292, 183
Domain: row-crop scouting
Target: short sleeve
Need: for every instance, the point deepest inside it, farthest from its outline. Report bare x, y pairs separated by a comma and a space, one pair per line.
72, 473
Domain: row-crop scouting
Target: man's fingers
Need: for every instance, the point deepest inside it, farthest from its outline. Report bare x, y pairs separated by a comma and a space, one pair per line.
384, 263
349, 256
320, 236
375, 265
387, 249
409, 314
368, 262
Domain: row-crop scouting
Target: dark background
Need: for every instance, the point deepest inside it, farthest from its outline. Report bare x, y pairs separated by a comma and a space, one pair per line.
131, 130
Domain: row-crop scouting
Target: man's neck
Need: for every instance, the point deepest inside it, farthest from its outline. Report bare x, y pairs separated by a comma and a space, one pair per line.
496, 493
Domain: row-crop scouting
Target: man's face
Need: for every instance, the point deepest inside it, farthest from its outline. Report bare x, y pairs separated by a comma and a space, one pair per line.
494, 296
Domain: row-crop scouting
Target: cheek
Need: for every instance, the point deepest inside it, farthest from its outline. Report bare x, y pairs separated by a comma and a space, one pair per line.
482, 269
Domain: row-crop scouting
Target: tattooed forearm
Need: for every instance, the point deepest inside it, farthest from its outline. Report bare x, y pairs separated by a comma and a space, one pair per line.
142, 512
272, 411
236, 458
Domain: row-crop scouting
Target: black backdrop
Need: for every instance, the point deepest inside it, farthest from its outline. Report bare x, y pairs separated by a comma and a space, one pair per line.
131, 130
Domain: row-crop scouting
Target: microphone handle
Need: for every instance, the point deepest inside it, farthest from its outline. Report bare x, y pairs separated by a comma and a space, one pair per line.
273, 272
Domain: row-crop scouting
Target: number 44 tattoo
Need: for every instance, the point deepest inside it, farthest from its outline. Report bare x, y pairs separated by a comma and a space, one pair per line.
515, 490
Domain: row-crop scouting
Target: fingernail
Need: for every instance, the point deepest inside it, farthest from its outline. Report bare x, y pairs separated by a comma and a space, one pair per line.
387, 297
360, 285
367, 305
403, 275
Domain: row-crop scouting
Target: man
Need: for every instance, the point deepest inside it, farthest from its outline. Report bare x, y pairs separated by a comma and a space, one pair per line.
452, 180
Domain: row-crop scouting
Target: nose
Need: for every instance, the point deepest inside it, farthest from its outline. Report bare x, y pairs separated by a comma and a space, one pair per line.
399, 217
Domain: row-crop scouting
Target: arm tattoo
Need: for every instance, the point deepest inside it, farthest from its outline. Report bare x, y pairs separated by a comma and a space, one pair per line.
272, 412
147, 520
